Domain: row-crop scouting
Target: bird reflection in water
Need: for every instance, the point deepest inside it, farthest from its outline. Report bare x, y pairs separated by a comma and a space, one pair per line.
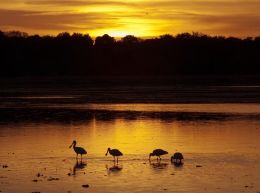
113, 169
158, 165
78, 166
178, 165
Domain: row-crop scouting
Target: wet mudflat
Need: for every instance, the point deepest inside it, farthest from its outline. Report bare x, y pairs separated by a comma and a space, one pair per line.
217, 129
135, 175
221, 154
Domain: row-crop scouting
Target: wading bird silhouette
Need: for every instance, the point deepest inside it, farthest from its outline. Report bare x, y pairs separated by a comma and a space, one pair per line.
177, 159
78, 150
158, 153
115, 153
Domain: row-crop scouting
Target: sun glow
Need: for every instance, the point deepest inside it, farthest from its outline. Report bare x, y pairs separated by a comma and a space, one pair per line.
120, 33
102, 9
134, 17
129, 26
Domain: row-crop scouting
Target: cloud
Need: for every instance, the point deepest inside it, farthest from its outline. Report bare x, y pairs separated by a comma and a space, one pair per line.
233, 24
214, 6
78, 3
224, 24
225, 17
57, 21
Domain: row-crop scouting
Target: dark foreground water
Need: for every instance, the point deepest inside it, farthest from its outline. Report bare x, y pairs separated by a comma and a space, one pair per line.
219, 140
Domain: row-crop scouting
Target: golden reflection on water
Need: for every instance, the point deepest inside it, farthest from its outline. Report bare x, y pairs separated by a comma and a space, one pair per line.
131, 137
219, 146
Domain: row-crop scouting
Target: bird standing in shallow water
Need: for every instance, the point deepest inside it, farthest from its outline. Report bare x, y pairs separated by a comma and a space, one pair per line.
114, 153
78, 150
177, 159
158, 153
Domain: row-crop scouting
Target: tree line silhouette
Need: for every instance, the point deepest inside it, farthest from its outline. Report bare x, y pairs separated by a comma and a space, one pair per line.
79, 54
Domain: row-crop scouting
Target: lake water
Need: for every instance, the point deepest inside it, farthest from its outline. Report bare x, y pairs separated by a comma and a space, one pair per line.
219, 141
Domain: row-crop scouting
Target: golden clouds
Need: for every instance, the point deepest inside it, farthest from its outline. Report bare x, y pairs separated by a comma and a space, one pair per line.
136, 17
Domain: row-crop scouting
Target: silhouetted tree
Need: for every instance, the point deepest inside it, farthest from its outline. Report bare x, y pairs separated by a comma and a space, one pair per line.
167, 38
63, 35
76, 54
2, 35
82, 39
105, 40
17, 34
257, 38
130, 39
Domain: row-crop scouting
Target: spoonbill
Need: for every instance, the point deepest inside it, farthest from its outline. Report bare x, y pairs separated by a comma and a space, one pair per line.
78, 150
114, 153
158, 153
177, 158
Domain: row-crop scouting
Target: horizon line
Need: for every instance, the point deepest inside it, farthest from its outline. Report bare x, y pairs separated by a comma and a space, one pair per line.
120, 37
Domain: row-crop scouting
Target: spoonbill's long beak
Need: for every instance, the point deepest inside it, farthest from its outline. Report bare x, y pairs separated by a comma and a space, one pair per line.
106, 153
70, 146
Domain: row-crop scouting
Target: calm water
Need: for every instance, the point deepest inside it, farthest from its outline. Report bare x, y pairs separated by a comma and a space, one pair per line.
227, 147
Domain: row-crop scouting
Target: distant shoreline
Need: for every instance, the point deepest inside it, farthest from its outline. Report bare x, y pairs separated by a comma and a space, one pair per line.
132, 80
80, 55
154, 90
78, 115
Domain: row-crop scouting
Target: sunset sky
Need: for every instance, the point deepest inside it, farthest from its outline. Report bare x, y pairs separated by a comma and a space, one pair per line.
136, 17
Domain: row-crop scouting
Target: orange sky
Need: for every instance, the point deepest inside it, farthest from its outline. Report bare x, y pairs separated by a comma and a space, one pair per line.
136, 17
